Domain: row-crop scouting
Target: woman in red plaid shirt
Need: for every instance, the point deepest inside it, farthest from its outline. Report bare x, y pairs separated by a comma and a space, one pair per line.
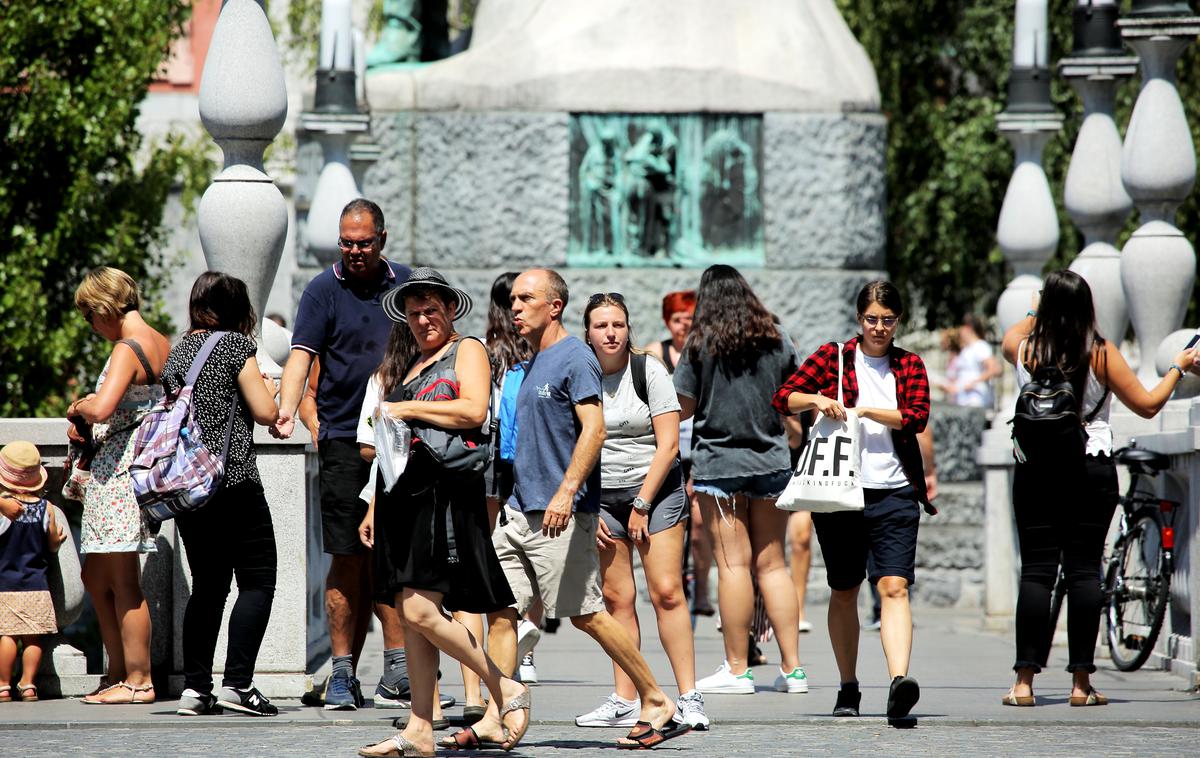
889, 391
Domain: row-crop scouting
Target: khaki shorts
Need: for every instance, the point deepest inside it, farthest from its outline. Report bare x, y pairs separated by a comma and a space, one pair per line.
564, 570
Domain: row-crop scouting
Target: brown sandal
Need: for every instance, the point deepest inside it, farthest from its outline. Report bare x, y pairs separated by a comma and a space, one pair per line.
24, 688
1091, 698
1021, 701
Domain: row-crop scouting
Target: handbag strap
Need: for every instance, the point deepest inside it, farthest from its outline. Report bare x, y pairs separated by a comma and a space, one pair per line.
839, 381
194, 373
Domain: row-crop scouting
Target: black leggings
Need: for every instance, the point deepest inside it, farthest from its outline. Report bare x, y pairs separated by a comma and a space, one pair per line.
231, 535
1062, 515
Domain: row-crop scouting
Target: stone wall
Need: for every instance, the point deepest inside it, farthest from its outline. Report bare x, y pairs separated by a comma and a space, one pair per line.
476, 194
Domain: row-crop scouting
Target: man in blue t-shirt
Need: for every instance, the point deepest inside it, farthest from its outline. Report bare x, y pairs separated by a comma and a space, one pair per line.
341, 321
546, 538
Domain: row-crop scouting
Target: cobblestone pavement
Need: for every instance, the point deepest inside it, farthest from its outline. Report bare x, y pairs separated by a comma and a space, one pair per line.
863, 738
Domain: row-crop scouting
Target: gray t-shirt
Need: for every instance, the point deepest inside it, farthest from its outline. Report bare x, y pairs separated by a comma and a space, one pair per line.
630, 444
736, 431
557, 379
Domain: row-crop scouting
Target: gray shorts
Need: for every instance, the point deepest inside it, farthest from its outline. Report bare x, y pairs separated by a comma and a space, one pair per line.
564, 571
670, 506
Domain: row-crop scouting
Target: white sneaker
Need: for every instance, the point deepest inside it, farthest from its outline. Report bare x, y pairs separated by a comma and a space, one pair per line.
527, 637
723, 682
691, 710
796, 681
527, 672
805, 627
615, 711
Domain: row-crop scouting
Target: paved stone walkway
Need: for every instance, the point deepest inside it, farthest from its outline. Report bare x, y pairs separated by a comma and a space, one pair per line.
963, 671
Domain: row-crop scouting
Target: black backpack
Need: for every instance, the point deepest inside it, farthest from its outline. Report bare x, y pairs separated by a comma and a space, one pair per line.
1046, 426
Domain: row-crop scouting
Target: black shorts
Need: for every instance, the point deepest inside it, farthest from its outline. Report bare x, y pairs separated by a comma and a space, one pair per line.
877, 542
343, 474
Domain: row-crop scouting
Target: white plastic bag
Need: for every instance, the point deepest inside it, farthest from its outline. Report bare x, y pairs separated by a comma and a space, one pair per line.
826, 479
393, 440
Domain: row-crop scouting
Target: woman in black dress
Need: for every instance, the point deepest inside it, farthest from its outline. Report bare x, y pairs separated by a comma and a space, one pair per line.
432, 545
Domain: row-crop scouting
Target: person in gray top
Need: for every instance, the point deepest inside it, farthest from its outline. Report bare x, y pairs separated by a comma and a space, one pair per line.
735, 357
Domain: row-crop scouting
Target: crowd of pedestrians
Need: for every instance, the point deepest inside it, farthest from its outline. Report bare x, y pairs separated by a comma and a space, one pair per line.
543, 467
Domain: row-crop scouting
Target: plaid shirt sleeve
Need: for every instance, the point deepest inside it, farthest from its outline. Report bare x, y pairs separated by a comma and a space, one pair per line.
914, 398
813, 376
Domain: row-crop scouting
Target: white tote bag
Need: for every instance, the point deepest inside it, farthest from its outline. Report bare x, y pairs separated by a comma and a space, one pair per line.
826, 479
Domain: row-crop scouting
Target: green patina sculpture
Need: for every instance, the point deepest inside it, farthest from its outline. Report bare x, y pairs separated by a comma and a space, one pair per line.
414, 31
665, 190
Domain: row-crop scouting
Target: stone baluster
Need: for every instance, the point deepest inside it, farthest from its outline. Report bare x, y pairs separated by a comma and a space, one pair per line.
243, 218
1028, 228
1158, 167
1094, 194
333, 122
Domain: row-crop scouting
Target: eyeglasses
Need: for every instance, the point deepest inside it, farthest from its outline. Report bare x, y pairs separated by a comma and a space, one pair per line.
348, 245
600, 297
888, 321
89, 316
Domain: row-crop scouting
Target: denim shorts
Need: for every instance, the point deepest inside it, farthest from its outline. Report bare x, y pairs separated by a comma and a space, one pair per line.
755, 486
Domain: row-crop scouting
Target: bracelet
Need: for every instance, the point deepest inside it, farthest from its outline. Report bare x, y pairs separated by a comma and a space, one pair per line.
1031, 312
1178, 368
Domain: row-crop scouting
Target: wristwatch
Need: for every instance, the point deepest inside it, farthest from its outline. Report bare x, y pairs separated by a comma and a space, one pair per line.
641, 506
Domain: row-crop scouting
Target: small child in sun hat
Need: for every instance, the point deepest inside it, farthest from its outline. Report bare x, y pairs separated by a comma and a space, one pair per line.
29, 534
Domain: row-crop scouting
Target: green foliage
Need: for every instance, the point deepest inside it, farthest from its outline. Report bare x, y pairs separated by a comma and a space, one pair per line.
78, 188
943, 71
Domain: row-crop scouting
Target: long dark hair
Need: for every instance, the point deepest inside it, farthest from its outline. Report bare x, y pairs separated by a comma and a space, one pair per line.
401, 349
730, 323
221, 303
1064, 334
505, 346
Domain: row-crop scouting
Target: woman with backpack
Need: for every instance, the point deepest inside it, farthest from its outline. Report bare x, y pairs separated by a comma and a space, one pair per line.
113, 532
888, 389
735, 357
1064, 498
232, 534
643, 505
432, 547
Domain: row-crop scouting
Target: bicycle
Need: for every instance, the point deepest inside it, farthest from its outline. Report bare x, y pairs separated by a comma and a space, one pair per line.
1136, 582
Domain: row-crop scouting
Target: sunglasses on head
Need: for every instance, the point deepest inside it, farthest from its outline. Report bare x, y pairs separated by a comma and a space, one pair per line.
600, 297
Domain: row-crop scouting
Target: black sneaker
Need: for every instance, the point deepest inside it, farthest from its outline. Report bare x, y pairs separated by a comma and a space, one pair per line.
848, 699
902, 696
356, 690
251, 702
193, 703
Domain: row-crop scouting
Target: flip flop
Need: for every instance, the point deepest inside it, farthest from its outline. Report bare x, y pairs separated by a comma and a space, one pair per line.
1021, 701
467, 739
401, 747
521, 702
1092, 698
644, 736
473, 713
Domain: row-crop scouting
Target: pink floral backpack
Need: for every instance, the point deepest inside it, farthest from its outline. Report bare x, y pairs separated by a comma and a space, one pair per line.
173, 471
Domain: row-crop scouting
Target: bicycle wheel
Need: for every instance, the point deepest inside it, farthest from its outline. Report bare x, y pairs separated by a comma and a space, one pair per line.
1139, 589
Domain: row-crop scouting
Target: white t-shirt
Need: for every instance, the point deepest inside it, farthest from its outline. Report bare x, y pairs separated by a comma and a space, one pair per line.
879, 466
969, 366
630, 445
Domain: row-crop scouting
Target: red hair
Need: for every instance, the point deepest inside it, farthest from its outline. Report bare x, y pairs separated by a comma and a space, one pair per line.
675, 302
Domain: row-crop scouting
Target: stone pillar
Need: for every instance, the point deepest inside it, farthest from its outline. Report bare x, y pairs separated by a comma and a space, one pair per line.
243, 103
1094, 194
1158, 166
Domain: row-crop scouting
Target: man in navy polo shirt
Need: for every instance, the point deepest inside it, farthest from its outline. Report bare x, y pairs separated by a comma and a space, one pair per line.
341, 321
